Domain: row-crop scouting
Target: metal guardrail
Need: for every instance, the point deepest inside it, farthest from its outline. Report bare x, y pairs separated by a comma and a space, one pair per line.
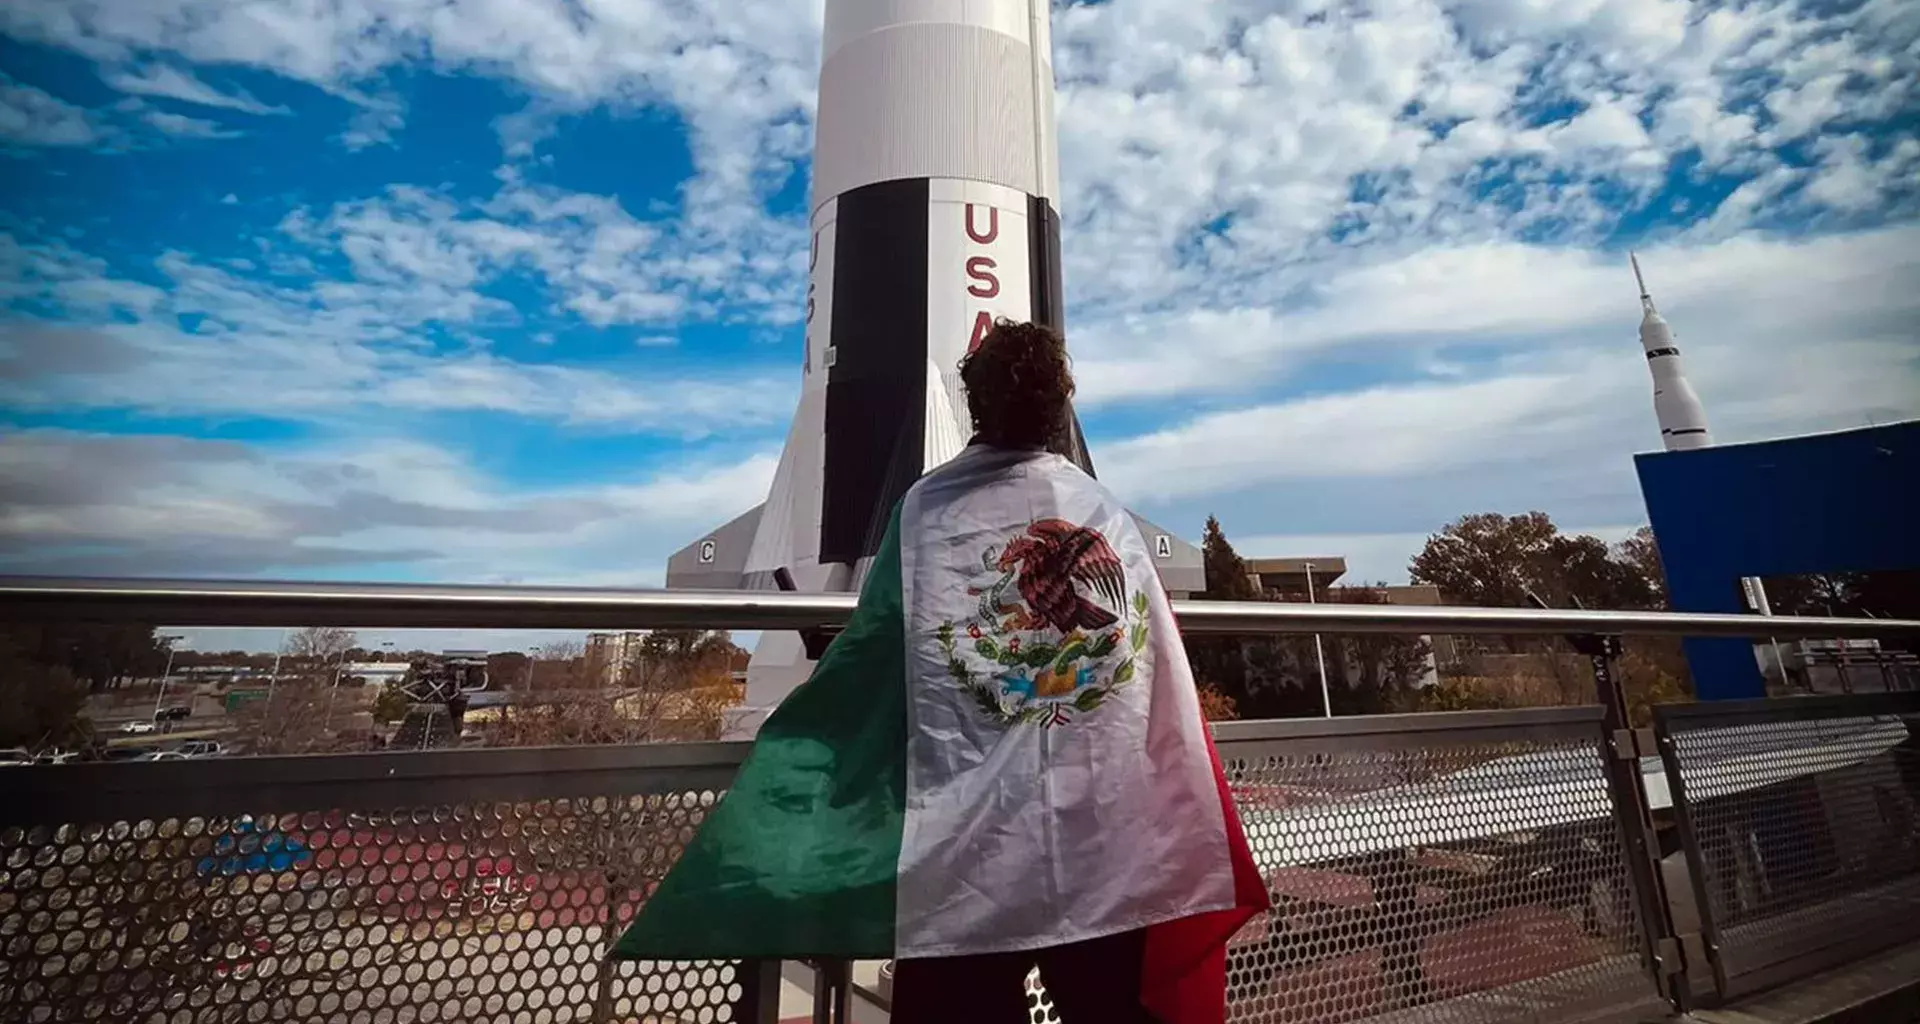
394, 605
1799, 819
1405, 852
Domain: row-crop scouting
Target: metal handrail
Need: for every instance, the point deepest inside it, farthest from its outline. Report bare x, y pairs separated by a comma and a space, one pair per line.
411, 605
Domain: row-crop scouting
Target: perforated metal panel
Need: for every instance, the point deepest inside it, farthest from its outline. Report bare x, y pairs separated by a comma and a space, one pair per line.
472, 911
1039, 1007
1471, 873
1801, 819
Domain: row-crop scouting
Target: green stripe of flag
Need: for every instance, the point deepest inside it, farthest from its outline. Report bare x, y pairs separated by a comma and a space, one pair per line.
801, 857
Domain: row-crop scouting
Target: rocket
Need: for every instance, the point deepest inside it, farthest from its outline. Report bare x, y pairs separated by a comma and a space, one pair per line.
1683, 421
934, 210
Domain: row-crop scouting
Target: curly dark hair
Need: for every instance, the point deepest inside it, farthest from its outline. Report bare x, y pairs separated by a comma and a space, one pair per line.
1018, 385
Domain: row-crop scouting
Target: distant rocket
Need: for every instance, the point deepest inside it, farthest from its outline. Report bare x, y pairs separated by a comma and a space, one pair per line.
936, 181
1683, 421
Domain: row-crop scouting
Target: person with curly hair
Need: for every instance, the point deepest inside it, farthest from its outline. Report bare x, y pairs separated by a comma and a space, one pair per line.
1019, 387
999, 765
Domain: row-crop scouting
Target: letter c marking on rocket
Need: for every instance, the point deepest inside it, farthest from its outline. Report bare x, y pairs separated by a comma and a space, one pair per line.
980, 268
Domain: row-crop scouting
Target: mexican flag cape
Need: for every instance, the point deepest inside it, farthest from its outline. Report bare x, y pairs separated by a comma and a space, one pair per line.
1002, 751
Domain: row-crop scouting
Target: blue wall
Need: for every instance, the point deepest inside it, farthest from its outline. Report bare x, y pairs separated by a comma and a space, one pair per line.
1841, 502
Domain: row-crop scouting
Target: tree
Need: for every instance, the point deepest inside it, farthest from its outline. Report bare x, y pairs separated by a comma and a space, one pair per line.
1494, 561
1641, 552
1373, 670
390, 704
291, 719
1582, 570
1228, 578
41, 706
1486, 560
1218, 661
100, 654
674, 685
1278, 676
1216, 706
320, 645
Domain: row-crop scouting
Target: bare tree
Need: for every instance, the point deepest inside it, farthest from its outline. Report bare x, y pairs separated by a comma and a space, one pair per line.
672, 686
321, 644
290, 720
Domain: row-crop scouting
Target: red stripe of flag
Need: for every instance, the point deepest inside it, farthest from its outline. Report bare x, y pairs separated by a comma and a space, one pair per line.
1183, 977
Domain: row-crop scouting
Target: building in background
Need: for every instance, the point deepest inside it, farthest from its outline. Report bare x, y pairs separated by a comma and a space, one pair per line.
1845, 666
1286, 579
611, 655
1841, 502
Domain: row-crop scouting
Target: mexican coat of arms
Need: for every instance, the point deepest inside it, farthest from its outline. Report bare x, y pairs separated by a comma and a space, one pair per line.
1055, 632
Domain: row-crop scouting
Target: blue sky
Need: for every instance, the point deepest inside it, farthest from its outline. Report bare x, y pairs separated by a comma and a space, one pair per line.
509, 292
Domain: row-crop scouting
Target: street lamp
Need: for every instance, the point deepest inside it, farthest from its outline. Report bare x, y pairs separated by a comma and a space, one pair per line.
273, 683
1319, 652
165, 675
339, 663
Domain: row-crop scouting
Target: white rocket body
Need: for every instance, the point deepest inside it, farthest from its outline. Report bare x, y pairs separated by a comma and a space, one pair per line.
935, 182
1683, 420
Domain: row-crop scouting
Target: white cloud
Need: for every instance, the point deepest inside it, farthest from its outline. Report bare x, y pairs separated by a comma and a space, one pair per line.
740, 72
182, 126
1506, 297
1853, 179
1382, 432
1218, 156
176, 84
34, 117
1779, 338
1411, 208
375, 123
323, 351
91, 503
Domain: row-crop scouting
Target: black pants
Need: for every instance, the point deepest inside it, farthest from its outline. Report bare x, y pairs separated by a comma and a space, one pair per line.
1092, 982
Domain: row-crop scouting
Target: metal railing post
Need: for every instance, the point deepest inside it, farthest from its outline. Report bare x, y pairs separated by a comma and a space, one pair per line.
759, 992
832, 991
1626, 783
1703, 945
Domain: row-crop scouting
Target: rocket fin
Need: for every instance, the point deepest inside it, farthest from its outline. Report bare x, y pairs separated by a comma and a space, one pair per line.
1182, 568
718, 560
945, 433
786, 523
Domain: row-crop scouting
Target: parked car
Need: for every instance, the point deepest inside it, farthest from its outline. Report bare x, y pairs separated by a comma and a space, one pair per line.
137, 728
201, 748
163, 755
134, 753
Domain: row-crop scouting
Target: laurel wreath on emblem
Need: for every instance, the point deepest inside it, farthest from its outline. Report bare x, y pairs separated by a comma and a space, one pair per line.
1036, 672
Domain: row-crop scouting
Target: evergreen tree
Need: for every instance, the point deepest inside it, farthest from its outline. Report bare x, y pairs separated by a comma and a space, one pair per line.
1228, 578
1218, 661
